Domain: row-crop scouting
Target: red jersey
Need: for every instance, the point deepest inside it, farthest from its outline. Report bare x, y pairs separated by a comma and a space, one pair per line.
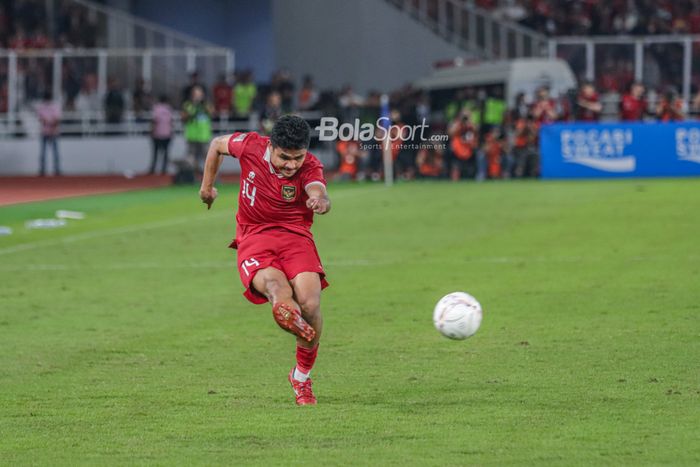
584, 114
268, 200
632, 108
222, 97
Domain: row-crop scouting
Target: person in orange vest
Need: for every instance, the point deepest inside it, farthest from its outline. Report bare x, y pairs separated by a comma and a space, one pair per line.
493, 149
350, 155
463, 144
430, 162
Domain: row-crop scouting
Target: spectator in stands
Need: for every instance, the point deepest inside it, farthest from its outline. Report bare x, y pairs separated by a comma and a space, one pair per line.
271, 112
521, 109
473, 103
244, 93
71, 83
141, 100
196, 115
39, 39
525, 153
633, 105
493, 151
3, 95
350, 157
114, 101
463, 144
670, 107
308, 95
161, 132
544, 109
695, 106
187, 90
49, 113
405, 157
350, 104
20, 40
430, 162
4, 26
282, 84
494, 110
223, 97
588, 106
87, 102
453, 108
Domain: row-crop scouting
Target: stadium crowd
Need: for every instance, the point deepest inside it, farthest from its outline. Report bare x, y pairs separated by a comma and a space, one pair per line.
599, 17
27, 24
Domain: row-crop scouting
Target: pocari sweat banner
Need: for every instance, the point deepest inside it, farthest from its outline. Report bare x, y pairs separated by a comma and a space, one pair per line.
607, 150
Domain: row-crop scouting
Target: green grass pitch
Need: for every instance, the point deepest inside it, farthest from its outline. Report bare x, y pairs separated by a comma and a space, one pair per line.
124, 338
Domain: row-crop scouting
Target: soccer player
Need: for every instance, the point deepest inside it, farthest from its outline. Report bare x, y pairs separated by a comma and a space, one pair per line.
282, 187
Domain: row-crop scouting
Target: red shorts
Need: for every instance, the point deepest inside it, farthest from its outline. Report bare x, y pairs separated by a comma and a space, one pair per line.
289, 252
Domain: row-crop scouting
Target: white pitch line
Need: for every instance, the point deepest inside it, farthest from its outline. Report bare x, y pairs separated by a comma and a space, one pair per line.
142, 227
109, 232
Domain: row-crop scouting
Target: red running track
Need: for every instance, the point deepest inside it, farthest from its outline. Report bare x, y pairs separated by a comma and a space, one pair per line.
15, 190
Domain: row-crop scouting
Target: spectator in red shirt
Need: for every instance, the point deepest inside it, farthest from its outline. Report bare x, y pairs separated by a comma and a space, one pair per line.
670, 107
223, 96
633, 105
588, 106
544, 110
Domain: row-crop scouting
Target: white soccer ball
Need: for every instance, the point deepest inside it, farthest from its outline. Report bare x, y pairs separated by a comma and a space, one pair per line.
457, 315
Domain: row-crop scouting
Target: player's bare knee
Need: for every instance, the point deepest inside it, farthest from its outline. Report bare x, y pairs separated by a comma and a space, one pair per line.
310, 306
278, 290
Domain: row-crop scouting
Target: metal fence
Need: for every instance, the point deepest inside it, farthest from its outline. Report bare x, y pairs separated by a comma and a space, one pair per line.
612, 62
474, 29
80, 80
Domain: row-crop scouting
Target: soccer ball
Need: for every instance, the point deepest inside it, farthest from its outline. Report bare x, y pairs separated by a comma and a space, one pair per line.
457, 315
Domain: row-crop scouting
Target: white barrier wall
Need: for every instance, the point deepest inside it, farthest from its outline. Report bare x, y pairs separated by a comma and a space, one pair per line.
106, 155
103, 155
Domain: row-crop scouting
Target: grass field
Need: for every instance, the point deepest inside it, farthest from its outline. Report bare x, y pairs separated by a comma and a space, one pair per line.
125, 340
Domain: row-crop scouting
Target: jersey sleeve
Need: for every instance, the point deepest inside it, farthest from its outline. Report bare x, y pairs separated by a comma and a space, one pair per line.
314, 174
237, 143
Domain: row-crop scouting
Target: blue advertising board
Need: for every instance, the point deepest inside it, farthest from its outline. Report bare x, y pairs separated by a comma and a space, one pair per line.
615, 150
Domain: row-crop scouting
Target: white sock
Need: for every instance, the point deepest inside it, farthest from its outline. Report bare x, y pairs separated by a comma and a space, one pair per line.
299, 376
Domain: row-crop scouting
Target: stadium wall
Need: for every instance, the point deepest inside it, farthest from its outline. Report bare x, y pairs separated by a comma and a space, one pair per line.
367, 43
244, 26
106, 155
91, 156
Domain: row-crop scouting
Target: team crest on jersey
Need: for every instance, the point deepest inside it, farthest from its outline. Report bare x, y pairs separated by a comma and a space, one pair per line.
289, 192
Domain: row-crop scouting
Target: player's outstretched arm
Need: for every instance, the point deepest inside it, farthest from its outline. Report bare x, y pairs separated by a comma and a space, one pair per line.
318, 201
215, 156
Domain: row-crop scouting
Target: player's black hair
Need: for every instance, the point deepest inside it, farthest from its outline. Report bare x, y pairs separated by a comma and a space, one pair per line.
291, 132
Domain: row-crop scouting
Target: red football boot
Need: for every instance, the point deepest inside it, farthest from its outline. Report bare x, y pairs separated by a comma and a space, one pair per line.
302, 391
290, 320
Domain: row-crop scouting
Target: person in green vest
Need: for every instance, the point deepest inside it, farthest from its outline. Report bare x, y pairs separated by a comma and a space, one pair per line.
244, 93
196, 117
494, 109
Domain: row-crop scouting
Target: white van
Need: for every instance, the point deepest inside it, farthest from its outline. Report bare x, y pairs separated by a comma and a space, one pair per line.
513, 76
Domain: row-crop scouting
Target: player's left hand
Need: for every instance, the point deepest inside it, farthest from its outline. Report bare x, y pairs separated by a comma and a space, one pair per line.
318, 205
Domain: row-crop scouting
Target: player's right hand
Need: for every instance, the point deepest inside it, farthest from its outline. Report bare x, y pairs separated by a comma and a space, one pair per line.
208, 195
